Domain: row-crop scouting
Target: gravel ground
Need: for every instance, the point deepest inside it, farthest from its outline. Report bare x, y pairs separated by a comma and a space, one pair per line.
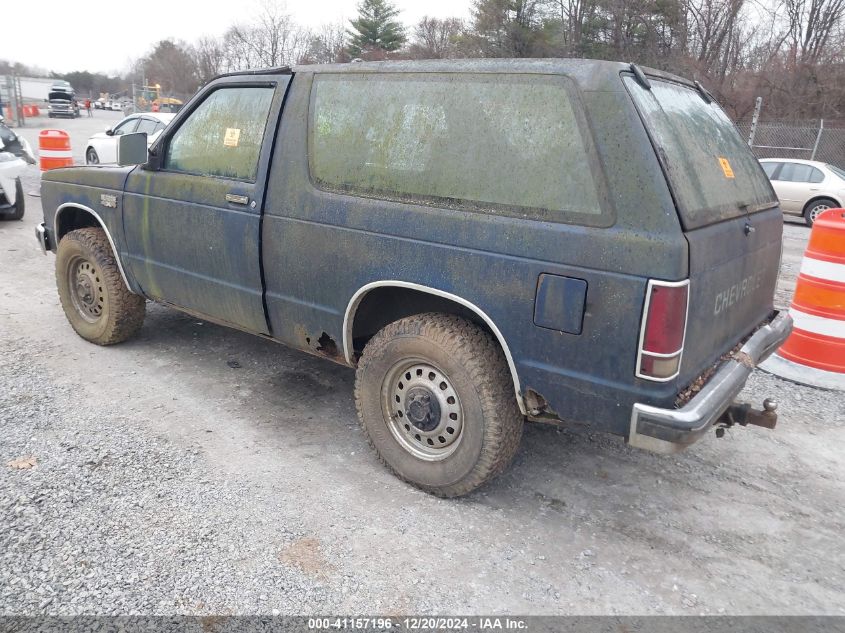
159, 477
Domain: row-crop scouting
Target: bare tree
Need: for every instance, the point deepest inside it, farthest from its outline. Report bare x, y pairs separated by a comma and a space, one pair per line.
813, 24
435, 38
507, 28
209, 56
272, 39
573, 15
326, 46
171, 65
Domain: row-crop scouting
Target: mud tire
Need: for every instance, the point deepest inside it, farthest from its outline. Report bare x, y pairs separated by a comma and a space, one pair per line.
476, 365
122, 312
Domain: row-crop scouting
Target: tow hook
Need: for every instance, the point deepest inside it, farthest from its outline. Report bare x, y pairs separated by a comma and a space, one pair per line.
744, 414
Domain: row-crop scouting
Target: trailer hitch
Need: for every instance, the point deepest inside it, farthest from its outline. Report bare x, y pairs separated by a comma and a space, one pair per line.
743, 414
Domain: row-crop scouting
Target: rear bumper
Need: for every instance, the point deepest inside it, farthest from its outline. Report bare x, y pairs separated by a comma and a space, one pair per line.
672, 430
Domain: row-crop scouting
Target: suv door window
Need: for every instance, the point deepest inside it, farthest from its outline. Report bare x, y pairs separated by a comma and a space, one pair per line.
223, 136
127, 127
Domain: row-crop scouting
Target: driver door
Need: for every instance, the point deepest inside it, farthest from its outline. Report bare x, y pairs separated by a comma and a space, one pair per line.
192, 226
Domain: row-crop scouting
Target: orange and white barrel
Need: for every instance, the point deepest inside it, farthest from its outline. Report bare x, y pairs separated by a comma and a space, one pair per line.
814, 354
54, 149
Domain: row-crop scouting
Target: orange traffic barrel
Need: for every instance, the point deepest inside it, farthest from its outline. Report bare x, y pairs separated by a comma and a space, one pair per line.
54, 149
814, 354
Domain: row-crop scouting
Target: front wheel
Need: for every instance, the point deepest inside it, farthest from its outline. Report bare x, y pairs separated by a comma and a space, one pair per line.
91, 157
94, 297
435, 399
814, 209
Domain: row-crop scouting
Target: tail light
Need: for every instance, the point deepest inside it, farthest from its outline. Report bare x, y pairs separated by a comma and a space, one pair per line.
663, 330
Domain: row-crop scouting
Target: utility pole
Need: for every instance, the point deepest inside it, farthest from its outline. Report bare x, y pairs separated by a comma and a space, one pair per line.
818, 138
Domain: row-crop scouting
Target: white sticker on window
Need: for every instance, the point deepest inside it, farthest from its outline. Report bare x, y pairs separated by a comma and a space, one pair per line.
232, 137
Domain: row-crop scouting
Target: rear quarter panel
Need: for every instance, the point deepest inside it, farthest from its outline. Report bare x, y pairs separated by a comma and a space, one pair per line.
320, 248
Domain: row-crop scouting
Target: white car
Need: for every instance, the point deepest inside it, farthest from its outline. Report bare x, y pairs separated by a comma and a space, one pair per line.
15, 153
102, 147
805, 187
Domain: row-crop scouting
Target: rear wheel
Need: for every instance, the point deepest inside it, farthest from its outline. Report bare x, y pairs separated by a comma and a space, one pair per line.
435, 399
91, 157
815, 208
94, 297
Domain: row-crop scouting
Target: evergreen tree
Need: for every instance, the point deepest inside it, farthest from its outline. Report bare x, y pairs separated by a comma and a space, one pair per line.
376, 29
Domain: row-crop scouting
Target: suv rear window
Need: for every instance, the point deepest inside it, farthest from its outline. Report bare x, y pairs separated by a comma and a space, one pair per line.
712, 172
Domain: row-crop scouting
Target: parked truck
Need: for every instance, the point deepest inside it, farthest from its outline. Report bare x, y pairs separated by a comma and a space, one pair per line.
484, 241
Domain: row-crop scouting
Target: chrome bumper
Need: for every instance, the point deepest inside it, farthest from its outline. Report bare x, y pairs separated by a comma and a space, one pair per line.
43, 239
672, 430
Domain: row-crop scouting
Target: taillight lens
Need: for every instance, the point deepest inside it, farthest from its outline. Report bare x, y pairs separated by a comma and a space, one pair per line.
663, 329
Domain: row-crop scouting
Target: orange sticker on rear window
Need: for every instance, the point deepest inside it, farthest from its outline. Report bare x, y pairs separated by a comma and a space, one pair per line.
726, 167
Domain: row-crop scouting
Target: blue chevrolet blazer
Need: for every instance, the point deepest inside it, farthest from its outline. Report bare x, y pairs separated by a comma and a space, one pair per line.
485, 241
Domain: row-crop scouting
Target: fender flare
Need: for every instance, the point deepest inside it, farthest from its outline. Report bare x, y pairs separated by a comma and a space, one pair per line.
96, 216
355, 301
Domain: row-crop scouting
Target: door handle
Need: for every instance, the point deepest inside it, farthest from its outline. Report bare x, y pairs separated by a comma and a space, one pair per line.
237, 199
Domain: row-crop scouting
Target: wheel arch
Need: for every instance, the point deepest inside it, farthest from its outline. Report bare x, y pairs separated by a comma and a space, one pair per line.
73, 215
820, 196
465, 307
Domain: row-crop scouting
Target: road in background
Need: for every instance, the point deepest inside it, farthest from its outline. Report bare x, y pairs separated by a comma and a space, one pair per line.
200, 470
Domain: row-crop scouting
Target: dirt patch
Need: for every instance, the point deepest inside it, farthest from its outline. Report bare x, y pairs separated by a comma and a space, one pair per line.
23, 463
306, 555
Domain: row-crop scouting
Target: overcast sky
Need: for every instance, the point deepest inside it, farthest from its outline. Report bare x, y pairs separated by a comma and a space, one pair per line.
103, 35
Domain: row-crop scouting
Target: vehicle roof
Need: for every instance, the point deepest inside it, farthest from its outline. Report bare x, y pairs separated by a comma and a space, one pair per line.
164, 117
589, 73
802, 161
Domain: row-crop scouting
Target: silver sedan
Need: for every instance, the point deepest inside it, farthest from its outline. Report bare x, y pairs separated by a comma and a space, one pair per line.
805, 187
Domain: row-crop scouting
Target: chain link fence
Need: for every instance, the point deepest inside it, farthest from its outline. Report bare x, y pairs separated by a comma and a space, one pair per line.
811, 140
152, 99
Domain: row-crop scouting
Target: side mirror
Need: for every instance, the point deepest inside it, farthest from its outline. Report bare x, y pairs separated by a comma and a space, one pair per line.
109, 131
132, 149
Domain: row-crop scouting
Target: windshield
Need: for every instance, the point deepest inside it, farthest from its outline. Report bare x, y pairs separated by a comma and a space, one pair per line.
836, 170
712, 172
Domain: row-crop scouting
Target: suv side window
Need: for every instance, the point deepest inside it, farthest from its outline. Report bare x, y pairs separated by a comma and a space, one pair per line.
484, 142
223, 136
